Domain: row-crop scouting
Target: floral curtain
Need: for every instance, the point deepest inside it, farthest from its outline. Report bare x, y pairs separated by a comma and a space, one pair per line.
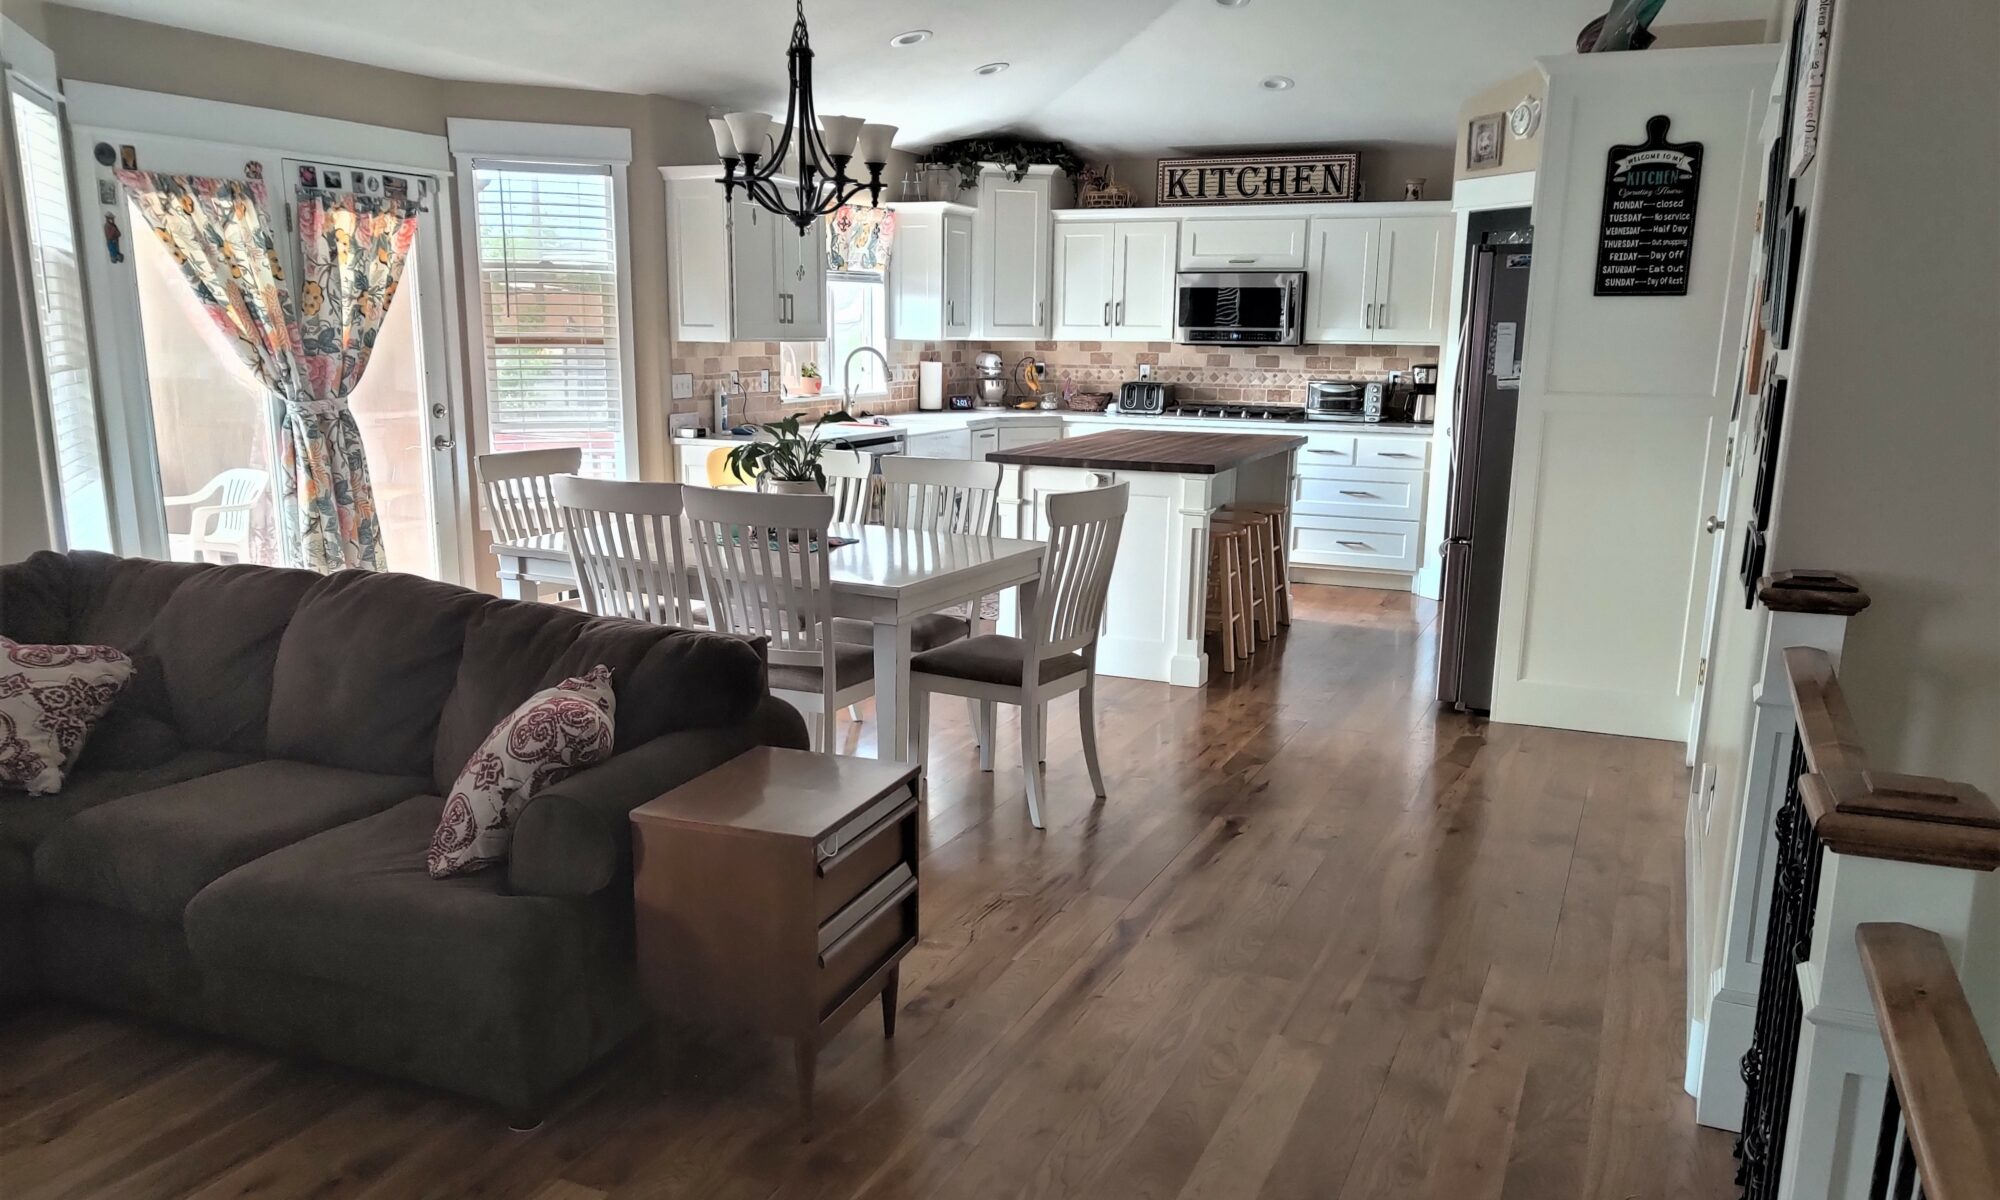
217, 231
857, 239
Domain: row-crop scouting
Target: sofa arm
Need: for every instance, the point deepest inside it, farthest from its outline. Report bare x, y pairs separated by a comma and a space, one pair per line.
576, 838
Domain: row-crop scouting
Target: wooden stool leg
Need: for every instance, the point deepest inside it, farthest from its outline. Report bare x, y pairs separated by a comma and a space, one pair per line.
1281, 557
1226, 600
1246, 634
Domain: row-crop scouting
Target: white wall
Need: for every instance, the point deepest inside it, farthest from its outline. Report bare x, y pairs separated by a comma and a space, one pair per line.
1624, 404
1892, 456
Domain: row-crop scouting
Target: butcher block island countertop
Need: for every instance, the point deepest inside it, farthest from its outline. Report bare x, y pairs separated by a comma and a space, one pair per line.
1175, 452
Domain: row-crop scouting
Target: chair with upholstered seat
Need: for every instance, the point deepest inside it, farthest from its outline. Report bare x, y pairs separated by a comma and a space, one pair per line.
628, 548
1057, 653
940, 495
850, 480
764, 567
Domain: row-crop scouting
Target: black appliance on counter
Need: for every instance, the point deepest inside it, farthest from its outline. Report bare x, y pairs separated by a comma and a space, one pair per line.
1482, 464
1143, 396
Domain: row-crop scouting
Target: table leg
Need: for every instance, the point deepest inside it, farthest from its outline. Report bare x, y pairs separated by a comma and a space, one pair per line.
889, 987
512, 586
892, 690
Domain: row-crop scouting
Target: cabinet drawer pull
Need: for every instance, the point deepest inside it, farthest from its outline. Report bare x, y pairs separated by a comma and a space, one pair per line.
1312, 450
1241, 261
1355, 545
873, 905
1395, 454
1368, 495
865, 828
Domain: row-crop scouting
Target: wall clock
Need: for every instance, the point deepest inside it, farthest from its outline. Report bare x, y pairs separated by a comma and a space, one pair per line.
1524, 118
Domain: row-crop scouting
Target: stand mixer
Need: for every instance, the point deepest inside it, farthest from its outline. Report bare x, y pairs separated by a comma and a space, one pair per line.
989, 381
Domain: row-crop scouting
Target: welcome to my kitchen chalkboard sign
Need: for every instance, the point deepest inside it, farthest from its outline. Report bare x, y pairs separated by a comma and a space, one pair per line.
1645, 237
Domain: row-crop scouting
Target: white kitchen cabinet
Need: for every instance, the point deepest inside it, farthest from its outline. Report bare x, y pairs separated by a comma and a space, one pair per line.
930, 273
736, 272
1243, 244
1114, 280
1379, 279
1012, 264
949, 443
1016, 432
984, 442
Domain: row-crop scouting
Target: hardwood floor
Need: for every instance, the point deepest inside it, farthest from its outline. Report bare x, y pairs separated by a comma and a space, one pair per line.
1322, 941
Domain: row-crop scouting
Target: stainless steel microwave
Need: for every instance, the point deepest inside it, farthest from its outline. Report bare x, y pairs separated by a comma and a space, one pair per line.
1238, 308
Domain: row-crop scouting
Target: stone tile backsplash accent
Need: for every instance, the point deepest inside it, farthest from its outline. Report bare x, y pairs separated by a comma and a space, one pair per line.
1228, 375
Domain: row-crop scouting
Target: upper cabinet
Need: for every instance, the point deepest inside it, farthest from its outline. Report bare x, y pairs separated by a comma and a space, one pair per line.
1012, 262
736, 272
1378, 279
930, 273
1114, 280
1243, 243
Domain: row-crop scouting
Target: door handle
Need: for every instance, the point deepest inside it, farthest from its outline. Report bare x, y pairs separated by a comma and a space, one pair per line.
1368, 316
1107, 313
1712, 525
1354, 545
1367, 495
1237, 262
1382, 315
1118, 313
441, 442
1038, 312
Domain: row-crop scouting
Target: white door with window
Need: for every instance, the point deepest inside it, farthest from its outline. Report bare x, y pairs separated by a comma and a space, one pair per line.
201, 449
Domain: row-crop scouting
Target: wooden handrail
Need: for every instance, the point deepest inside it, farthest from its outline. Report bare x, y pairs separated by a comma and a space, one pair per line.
1945, 1080
1876, 814
1826, 593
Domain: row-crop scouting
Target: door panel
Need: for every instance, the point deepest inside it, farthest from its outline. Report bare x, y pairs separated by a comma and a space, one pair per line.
1340, 279
1143, 294
958, 252
1083, 280
753, 271
1413, 280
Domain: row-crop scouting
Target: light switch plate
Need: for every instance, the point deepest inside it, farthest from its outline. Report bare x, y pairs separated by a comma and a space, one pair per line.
683, 385
763, 381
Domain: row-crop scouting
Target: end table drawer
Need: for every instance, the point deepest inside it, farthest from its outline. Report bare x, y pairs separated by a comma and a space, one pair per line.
862, 851
862, 936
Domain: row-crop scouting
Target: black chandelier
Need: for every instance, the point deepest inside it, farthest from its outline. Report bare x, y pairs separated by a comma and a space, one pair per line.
752, 159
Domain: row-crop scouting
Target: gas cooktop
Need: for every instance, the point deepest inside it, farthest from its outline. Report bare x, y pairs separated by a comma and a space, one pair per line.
1235, 412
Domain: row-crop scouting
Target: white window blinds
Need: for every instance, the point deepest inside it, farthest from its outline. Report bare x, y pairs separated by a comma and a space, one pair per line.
548, 283
61, 319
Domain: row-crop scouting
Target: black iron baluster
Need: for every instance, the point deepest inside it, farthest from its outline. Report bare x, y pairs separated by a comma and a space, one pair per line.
1906, 1170
1773, 1056
1885, 1144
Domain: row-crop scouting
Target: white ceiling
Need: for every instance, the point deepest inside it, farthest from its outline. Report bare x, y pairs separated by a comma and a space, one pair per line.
1112, 76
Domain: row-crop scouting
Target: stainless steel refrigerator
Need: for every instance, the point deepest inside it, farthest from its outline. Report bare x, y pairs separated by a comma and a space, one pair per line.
1485, 403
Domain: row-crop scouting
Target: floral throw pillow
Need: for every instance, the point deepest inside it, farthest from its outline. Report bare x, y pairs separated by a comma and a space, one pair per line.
553, 733
50, 696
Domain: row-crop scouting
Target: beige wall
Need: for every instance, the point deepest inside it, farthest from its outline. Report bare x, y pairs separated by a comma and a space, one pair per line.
1517, 154
1892, 461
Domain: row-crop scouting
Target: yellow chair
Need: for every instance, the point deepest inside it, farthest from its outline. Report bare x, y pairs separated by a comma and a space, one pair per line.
719, 473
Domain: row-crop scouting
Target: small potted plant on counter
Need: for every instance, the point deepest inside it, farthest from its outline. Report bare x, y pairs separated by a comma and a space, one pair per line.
784, 457
809, 380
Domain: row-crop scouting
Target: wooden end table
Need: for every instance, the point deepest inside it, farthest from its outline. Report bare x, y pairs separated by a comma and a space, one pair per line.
777, 894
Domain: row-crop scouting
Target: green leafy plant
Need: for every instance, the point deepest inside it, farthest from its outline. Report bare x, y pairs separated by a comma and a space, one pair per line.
791, 454
1016, 154
809, 371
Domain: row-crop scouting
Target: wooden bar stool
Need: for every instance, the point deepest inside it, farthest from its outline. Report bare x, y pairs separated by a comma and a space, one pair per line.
1278, 518
1228, 613
1258, 572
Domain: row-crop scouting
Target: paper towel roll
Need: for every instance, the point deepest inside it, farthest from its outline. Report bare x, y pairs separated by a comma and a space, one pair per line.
930, 386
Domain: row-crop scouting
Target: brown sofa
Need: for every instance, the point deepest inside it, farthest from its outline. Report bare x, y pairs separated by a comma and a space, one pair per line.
240, 847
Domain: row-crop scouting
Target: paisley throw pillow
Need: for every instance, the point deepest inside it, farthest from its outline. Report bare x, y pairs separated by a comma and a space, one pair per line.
553, 733
50, 697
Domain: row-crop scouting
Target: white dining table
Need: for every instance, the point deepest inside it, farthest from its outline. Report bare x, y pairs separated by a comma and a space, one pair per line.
887, 577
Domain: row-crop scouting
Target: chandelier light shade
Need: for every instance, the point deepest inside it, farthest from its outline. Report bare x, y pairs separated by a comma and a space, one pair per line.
753, 157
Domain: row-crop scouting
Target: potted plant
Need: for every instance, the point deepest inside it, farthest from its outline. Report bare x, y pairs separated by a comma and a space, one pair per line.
784, 458
1017, 154
809, 380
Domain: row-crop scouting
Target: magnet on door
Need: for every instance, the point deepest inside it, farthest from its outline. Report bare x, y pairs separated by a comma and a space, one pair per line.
112, 237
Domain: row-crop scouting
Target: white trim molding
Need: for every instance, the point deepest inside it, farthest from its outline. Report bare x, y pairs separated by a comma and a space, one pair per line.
530, 141
104, 106
23, 54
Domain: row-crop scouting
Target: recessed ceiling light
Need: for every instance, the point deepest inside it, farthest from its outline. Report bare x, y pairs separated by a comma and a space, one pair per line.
911, 38
990, 68
1277, 83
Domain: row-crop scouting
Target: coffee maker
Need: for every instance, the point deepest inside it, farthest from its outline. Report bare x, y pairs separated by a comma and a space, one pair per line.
1423, 383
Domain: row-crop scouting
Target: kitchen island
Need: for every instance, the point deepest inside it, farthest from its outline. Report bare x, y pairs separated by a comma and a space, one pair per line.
1154, 616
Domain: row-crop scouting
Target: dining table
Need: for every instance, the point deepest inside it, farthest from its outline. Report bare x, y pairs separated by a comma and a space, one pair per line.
885, 576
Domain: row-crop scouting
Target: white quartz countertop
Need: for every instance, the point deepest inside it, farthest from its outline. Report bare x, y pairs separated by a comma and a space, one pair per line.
915, 423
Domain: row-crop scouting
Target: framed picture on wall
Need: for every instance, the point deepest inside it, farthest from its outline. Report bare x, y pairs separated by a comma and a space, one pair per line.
1484, 137
1812, 42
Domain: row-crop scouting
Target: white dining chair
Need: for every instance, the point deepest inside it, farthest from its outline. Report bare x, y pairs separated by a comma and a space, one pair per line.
944, 495
628, 547
1057, 654
219, 516
850, 480
765, 571
520, 497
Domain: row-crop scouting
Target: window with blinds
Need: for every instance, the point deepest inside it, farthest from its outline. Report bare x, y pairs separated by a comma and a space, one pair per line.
548, 284
61, 319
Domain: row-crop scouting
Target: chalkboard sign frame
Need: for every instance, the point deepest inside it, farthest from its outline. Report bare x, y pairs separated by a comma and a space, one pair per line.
1615, 224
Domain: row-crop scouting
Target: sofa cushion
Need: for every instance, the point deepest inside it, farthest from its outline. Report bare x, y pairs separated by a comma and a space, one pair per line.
26, 820
51, 697
365, 667
553, 733
354, 906
85, 596
665, 679
149, 853
216, 642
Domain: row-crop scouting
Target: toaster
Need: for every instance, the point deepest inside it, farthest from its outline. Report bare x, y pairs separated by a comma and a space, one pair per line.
1143, 396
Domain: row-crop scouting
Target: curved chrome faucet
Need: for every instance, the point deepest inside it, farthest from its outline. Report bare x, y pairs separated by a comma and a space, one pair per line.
847, 372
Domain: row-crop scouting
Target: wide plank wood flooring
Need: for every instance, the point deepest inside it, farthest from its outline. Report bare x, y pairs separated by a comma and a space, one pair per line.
1322, 941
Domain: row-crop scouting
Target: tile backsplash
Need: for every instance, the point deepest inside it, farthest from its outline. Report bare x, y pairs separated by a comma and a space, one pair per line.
1236, 374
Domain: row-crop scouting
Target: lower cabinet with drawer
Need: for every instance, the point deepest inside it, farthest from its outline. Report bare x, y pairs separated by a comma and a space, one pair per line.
1358, 500
777, 895
1354, 542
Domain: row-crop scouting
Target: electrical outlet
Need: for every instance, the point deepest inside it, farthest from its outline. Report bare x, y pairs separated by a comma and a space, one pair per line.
683, 385
763, 381
735, 379
1145, 370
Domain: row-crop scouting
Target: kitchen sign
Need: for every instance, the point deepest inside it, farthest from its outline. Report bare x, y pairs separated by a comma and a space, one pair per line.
1257, 179
1645, 237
